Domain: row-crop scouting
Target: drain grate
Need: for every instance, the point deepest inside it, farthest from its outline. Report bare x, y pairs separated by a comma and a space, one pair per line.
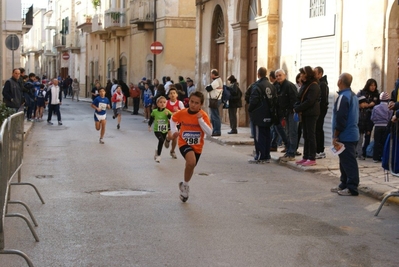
44, 176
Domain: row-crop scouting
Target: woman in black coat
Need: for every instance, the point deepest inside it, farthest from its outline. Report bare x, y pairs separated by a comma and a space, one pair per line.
234, 103
309, 108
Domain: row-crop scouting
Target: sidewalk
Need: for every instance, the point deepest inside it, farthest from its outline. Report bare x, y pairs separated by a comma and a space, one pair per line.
372, 176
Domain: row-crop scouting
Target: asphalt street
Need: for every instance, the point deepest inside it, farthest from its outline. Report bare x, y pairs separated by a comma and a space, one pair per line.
113, 205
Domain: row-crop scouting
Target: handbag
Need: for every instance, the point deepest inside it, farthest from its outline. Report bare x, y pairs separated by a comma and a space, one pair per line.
214, 102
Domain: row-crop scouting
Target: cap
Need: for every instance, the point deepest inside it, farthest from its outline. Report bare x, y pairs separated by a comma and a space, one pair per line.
144, 79
384, 96
362, 99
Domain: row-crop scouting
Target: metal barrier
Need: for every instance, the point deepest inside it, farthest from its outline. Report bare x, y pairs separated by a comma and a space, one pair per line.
11, 155
393, 162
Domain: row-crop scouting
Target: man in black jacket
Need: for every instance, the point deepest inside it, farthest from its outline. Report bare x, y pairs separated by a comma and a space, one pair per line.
262, 102
323, 111
12, 91
287, 97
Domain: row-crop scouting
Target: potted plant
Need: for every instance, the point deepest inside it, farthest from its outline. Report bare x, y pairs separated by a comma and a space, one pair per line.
88, 18
96, 3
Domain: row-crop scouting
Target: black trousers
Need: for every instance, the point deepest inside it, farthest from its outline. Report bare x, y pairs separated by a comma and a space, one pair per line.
320, 131
56, 109
309, 135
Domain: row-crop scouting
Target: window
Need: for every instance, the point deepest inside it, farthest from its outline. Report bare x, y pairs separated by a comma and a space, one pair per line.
252, 12
317, 8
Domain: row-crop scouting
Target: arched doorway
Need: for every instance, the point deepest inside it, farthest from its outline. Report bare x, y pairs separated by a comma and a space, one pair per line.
218, 41
122, 71
392, 47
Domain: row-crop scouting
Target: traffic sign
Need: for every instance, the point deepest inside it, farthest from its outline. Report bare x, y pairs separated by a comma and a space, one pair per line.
12, 42
156, 48
65, 56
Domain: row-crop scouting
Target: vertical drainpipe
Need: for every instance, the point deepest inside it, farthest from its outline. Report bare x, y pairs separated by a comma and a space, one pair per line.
155, 39
340, 21
384, 48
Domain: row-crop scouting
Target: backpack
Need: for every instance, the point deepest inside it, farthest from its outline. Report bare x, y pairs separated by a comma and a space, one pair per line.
226, 94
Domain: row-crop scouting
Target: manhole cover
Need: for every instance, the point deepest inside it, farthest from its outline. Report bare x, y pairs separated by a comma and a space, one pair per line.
123, 193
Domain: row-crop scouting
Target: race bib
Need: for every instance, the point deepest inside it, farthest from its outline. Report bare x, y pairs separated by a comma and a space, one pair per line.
102, 106
162, 127
192, 138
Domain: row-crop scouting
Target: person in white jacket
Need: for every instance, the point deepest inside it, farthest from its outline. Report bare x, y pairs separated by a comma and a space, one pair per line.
215, 90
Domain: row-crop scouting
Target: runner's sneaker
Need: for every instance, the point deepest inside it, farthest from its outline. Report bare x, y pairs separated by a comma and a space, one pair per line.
167, 142
158, 159
101, 141
184, 189
173, 155
156, 155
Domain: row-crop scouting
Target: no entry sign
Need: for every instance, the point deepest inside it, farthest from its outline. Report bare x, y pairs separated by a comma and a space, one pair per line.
65, 56
156, 48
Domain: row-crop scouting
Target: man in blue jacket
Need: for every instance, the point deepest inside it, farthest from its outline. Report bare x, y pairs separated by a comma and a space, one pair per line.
345, 131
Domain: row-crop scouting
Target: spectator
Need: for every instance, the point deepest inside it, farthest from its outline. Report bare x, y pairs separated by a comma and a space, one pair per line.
324, 93
370, 92
364, 125
95, 90
12, 91
262, 99
125, 91
287, 97
309, 108
75, 89
135, 92
234, 103
380, 116
190, 86
215, 92
54, 100
345, 131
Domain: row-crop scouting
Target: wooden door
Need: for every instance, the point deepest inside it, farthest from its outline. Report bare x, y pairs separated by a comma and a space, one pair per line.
252, 56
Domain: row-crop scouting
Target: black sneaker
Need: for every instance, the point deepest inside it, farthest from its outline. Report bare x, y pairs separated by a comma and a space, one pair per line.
117, 127
60, 123
184, 190
49, 123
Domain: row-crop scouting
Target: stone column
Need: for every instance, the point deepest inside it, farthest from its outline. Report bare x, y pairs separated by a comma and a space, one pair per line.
268, 34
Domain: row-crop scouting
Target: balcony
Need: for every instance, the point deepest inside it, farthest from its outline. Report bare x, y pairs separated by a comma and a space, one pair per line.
142, 14
84, 22
75, 48
115, 18
97, 24
59, 41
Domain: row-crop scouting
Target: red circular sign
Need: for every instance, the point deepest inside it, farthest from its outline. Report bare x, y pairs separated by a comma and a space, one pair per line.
156, 48
65, 56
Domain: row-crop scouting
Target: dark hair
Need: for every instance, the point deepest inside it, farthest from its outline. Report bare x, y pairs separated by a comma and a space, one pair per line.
32, 75
161, 88
215, 72
262, 72
232, 79
272, 74
102, 88
309, 73
298, 76
181, 79
320, 69
198, 94
370, 82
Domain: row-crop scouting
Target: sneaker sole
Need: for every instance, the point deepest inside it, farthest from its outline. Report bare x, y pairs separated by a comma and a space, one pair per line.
183, 199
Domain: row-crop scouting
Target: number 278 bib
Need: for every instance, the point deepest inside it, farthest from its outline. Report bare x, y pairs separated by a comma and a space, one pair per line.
192, 138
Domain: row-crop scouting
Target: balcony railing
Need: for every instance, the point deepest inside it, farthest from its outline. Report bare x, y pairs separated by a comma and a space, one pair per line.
115, 17
142, 11
97, 25
59, 40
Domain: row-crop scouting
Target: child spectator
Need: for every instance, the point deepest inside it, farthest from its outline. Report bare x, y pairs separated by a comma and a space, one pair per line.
118, 100
380, 116
160, 117
147, 100
365, 126
41, 95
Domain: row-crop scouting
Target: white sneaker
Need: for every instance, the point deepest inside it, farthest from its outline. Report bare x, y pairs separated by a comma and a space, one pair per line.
184, 189
173, 155
158, 159
320, 155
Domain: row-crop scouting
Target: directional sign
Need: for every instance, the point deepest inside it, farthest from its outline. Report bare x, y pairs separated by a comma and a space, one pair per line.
65, 56
156, 48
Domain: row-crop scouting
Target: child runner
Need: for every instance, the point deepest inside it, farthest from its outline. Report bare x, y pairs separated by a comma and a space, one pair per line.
160, 117
118, 100
100, 104
40, 103
194, 124
173, 105
147, 101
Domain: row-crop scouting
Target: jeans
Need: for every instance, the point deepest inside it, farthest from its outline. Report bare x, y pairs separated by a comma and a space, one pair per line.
292, 127
262, 142
309, 135
215, 119
349, 168
279, 129
320, 131
380, 136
